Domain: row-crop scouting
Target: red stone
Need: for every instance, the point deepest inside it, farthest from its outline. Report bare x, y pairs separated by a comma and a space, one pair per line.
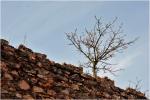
8, 76
37, 89
23, 85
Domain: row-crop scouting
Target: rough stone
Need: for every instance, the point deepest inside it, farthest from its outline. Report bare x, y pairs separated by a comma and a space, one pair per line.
14, 72
51, 92
75, 87
66, 92
3, 66
8, 76
39, 64
29, 75
41, 76
3, 42
28, 97
41, 56
32, 57
24, 49
17, 66
37, 89
18, 95
49, 83
23, 85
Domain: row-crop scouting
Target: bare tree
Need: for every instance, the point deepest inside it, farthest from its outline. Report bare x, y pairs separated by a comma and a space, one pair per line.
99, 45
136, 85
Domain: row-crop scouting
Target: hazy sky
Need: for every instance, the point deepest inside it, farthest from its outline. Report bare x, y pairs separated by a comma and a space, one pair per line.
45, 25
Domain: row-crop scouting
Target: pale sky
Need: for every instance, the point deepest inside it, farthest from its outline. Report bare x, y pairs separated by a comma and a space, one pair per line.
45, 25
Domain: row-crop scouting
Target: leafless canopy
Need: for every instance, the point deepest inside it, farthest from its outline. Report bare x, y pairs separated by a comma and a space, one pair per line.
100, 44
136, 85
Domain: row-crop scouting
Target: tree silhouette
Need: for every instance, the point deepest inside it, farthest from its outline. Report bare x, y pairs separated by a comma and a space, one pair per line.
99, 45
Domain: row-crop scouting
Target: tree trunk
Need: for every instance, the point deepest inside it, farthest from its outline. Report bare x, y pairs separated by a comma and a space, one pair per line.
94, 70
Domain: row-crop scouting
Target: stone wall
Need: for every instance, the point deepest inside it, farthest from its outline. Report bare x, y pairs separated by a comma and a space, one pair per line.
29, 75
